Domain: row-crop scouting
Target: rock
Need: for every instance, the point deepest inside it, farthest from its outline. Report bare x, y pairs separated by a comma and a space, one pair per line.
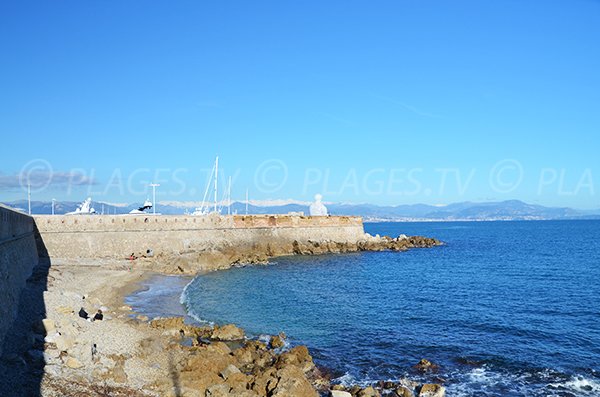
72, 362
338, 387
227, 332
49, 326
368, 392
404, 392
297, 356
227, 372
292, 382
277, 342
426, 366
219, 347
142, 318
432, 390
339, 393
218, 390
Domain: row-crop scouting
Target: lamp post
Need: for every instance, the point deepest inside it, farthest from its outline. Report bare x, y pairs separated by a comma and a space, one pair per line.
154, 186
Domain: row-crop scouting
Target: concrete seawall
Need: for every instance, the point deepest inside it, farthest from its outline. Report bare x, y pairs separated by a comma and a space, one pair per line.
117, 236
18, 257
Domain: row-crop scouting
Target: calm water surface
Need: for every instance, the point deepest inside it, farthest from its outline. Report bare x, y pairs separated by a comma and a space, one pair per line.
505, 308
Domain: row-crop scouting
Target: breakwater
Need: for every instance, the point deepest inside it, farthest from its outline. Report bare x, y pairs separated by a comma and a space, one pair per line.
117, 236
18, 257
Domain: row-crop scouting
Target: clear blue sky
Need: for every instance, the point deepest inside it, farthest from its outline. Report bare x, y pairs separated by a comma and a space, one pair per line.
364, 101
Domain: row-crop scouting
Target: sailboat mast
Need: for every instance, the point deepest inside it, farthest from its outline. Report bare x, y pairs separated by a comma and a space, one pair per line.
216, 181
246, 201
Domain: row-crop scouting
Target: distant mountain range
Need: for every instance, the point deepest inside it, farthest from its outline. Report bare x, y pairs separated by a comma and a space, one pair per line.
465, 211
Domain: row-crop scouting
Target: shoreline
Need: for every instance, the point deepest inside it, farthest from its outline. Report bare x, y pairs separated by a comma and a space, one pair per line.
120, 355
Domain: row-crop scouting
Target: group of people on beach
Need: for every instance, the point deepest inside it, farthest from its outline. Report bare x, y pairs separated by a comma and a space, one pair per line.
97, 317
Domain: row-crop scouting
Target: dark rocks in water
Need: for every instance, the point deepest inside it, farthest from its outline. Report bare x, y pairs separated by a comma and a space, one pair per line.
426, 366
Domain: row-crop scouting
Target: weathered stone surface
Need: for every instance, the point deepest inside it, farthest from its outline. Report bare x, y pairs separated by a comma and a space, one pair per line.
292, 382
339, 393
432, 390
404, 392
227, 332
218, 390
369, 392
277, 342
229, 370
298, 356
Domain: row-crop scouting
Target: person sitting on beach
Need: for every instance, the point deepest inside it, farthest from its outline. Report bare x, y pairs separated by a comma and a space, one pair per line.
132, 257
83, 314
98, 316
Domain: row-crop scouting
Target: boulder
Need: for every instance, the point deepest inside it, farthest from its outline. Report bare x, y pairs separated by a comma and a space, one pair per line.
218, 390
292, 382
339, 393
432, 390
426, 366
227, 332
229, 370
277, 342
368, 392
297, 356
404, 392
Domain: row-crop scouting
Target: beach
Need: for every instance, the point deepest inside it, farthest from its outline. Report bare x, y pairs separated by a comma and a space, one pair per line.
57, 352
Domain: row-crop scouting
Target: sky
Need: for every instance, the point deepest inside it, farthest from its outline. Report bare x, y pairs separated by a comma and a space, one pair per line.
386, 102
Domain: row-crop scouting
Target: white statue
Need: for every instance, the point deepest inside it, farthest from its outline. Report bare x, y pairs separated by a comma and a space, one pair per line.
84, 208
317, 208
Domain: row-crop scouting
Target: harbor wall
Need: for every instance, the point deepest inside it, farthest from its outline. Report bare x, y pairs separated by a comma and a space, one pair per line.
117, 236
18, 257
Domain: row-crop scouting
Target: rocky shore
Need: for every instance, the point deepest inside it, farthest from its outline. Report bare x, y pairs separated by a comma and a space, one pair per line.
53, 351
259, 252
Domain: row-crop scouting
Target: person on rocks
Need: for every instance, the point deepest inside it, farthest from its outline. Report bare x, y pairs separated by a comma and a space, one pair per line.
98, 316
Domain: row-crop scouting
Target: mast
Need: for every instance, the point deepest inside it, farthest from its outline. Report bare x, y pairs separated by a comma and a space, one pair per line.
216, 180
246, 201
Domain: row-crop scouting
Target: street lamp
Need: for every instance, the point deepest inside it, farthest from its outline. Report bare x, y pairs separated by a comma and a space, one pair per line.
154, 186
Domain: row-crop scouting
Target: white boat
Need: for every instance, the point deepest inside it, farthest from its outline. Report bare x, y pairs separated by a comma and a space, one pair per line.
142, 210
84, 208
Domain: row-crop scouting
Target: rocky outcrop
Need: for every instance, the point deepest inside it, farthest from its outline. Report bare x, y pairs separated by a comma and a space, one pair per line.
225, 256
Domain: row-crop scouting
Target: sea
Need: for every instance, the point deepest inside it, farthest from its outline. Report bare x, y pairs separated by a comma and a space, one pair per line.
503, 308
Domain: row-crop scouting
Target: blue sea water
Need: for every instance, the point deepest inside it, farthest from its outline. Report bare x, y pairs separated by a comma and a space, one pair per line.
505, 308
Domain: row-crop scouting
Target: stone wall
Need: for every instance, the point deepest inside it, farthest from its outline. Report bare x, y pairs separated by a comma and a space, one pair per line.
117, 236
18, 257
